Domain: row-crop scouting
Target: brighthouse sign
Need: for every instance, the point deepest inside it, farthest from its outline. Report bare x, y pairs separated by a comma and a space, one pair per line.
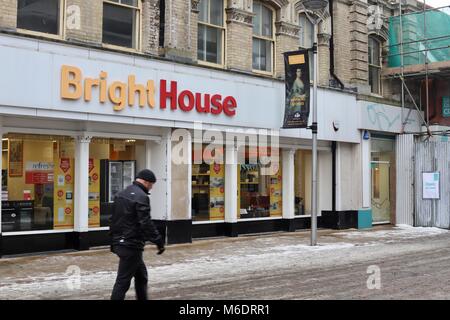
123, 94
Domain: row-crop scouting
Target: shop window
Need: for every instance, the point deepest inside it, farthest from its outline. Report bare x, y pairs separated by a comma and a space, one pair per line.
259, 193
302, 182
383, 183
39, 15
263, 41
38, 174
211, 31
112, 167
208, 185
121, 23
374, 65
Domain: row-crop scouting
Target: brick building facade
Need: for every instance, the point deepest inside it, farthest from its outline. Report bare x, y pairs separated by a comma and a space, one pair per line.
204, 48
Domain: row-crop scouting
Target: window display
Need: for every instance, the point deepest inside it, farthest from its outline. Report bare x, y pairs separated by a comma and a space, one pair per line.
259, 194
208, 189
302, 182
112, 167
37, 182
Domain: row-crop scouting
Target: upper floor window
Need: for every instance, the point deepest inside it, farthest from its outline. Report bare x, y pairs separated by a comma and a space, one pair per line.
39, 15
263, 41
121, 21
375, 65
306, 32
211, 31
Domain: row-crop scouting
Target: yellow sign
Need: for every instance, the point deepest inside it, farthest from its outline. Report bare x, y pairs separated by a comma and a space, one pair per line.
275, 193
94, 193
217, 192
63, 193
297, 59
119, 93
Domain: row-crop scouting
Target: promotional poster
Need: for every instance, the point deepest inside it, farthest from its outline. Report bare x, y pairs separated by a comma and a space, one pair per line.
297, 89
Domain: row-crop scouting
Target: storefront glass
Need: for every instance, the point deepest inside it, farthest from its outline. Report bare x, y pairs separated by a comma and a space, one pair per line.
383, 182
38, 175
112, 167
260, 193
208, 185
302, 182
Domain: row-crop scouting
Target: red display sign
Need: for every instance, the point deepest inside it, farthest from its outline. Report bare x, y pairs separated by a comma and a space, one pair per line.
91, 164
38, 177
64, 164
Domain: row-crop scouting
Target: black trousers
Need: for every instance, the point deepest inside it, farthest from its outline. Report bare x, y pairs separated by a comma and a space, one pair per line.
131, 265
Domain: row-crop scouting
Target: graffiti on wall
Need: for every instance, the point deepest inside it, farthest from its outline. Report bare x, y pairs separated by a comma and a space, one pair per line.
386, 120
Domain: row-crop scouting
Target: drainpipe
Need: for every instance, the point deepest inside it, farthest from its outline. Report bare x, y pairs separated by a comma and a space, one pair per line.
333, 175
341, 84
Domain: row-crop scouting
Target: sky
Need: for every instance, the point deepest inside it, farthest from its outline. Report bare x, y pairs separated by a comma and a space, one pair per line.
437, 3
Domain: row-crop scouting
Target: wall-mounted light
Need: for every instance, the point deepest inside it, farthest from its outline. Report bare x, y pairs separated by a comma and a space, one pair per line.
336, 125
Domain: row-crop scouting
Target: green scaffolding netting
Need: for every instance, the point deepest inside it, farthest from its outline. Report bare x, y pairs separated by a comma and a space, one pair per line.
424, 34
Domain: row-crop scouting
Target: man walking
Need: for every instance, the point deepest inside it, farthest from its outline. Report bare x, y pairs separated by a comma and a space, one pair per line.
131, 226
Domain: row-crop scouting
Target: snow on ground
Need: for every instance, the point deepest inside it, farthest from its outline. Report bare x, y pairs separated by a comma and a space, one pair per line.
397, 232
239, 259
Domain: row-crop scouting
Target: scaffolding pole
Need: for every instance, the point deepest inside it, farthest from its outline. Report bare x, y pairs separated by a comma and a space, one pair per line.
426, 119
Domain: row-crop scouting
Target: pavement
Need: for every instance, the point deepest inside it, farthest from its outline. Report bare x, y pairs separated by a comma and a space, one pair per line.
383, 262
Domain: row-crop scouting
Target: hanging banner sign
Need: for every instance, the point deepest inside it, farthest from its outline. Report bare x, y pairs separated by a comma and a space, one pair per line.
297, 89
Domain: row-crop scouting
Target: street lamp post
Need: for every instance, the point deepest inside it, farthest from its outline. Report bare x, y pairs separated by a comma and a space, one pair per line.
314, 10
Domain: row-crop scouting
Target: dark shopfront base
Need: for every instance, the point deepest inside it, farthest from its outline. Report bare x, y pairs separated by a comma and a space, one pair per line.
181, 231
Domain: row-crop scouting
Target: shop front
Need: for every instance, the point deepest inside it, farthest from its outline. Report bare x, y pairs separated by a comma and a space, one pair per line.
383, 129
91, 119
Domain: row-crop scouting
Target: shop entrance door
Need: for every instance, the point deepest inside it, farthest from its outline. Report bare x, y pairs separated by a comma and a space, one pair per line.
381, 200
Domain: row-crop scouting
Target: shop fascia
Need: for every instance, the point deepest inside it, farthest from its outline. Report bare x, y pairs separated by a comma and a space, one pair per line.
74, 87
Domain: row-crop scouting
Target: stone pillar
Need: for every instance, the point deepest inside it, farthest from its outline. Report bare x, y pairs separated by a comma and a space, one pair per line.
323, 54
288, 187
239, 33
84, 21
179, 221
8, 16
286, 40
81, 204
180, 39
157, 158
365, 165
359, 46
341, 38
150, 26
231, 182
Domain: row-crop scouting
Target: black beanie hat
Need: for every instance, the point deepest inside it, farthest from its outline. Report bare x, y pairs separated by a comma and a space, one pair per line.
146, 175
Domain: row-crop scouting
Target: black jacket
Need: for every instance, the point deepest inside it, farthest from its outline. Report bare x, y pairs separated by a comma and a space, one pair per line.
131, 224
